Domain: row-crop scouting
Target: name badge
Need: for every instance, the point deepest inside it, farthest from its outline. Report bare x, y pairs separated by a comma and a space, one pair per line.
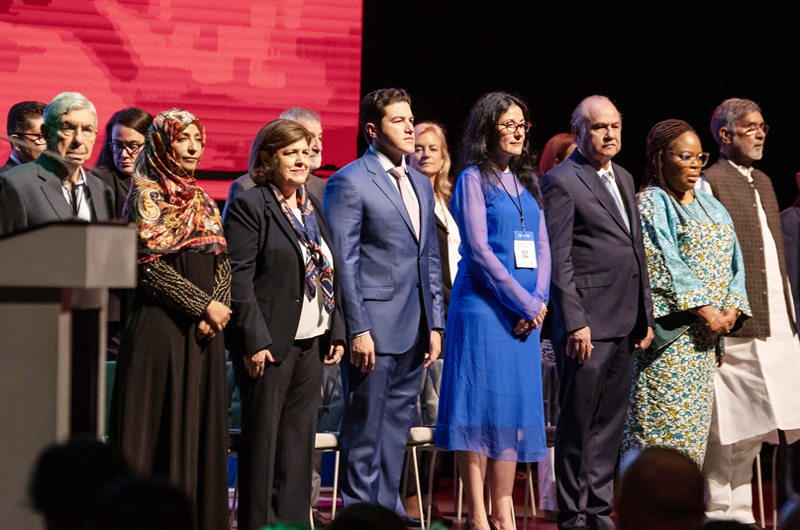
524, 250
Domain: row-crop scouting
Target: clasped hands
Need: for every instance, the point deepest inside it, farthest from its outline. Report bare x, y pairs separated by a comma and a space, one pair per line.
214, 320
256, 363
717, 322
525, 326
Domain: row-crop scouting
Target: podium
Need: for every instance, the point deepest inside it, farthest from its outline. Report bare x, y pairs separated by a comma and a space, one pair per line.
54, 283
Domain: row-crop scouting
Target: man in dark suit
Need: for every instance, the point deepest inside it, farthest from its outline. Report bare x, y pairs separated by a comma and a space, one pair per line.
57, 189
382, 221
24, 123
602, 310
311, 121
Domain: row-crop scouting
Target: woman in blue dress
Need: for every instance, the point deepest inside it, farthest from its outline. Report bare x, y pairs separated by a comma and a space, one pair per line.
490, 409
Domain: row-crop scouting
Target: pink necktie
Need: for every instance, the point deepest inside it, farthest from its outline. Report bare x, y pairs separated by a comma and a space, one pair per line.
408, 199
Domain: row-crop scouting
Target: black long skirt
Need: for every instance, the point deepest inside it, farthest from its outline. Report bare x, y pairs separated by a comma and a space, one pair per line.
169, 405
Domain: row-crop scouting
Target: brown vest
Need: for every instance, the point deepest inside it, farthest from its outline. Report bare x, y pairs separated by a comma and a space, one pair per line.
738, 196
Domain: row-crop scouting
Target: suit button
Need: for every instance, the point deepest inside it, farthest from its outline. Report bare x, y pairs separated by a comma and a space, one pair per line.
419, 284
765, 293
763, 271
755, 206
752, 186
635, 276
296, 300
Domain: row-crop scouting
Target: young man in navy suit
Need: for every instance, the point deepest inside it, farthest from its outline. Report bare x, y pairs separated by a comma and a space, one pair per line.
381, 217
602, 310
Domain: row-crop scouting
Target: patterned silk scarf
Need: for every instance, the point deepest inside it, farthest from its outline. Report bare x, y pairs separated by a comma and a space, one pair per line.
308, 234
172, 212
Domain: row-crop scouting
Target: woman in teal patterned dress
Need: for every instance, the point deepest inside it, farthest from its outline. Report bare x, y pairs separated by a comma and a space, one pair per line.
697, 280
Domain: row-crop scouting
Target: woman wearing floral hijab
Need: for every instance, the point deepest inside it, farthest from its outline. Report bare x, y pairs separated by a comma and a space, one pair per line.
169, 407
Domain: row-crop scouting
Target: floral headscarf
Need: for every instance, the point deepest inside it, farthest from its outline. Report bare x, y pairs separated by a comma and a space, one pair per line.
170, 209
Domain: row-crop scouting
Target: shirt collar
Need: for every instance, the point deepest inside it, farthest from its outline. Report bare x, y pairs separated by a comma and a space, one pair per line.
386, 164
81, 179
601, 171
15, 159
746, 171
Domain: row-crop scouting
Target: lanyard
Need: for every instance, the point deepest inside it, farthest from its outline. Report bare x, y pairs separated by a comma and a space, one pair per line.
519, 198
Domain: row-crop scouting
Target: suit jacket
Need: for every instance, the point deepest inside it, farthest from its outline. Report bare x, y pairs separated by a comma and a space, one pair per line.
731, 188
314, 185
268, 276
10, 164
599, 276
31, 195
790, 224
121, 186
385, 270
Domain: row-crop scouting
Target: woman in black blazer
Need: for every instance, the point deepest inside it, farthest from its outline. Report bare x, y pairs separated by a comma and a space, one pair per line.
287, 322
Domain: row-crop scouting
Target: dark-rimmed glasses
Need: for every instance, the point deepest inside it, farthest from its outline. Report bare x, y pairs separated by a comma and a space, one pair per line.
512, 127
686, 158
132, 148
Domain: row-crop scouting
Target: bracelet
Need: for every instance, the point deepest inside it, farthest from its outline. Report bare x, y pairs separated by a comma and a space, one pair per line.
708, 324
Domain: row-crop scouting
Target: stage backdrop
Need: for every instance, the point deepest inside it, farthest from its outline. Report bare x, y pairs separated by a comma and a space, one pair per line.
236, 64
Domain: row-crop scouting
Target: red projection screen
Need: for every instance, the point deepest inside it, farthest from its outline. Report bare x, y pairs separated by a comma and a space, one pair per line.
236, 64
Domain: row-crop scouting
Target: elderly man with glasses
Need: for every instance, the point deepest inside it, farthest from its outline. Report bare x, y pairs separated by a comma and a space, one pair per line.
24, 123
756, 390
55, 187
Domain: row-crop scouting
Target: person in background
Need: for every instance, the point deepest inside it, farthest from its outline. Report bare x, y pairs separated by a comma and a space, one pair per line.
602, 310
787, 467
556, 150
311, 121
70, 479
56, 188
169, 409
143, 504
660, 489
24, 123
287, 323
432, 158
125, 133
384, 228
756, 390
491, 411
697, 281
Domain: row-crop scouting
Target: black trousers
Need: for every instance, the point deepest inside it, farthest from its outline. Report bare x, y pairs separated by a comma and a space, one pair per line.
279, 422
594, 400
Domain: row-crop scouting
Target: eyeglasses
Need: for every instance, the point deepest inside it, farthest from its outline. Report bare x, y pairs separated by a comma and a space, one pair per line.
132, 148
512, 127
38, 139
688, 158
70, 130
753, 128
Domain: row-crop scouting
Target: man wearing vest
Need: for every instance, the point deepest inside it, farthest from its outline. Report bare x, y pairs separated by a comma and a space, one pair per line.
756, 390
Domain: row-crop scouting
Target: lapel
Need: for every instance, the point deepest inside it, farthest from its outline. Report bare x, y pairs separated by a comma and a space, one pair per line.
274, 208
98, 203
323, 225
381, 179
628, 195
592, 181
51, 186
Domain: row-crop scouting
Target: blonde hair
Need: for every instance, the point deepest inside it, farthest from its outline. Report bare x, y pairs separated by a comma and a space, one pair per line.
442, 185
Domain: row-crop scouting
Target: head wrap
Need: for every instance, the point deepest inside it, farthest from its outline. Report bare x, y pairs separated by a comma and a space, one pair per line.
172, 212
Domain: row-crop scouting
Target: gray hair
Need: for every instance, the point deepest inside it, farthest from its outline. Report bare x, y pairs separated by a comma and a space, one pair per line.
728, 113
578, 120
65, 103
300, 114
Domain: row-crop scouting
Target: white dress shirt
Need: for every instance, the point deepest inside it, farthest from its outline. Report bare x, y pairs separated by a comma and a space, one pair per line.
84, 209
314, 320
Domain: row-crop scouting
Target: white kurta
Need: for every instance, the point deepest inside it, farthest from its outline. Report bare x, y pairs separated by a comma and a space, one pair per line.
757, 389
